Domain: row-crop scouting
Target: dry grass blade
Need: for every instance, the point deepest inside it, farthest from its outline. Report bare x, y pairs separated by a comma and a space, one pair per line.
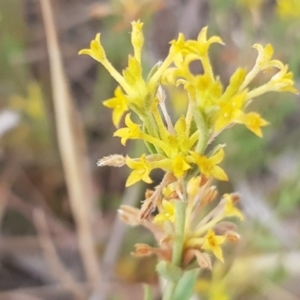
71, 144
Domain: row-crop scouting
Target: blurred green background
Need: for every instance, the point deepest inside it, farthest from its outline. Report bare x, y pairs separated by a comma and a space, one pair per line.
266, 262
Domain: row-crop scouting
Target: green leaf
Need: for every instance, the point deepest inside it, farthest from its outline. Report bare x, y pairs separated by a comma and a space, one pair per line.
185, 286
169, 271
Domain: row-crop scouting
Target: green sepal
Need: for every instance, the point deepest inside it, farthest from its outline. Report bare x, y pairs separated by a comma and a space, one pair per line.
169, 271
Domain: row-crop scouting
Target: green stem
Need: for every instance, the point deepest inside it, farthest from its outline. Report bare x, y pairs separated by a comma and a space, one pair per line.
178, 245
148, 292
179, 232
169, 291
203, 135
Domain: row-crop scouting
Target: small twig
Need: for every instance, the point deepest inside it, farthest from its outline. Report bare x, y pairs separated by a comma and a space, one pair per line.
51, 255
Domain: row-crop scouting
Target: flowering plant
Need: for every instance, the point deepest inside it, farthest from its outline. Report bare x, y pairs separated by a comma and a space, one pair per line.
185, 235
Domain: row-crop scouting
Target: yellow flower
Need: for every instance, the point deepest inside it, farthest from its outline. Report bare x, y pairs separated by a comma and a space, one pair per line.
141, 170
96, 50
237, 80
193, 187
230, 209
283, 81
208, 166
263, 62
264, 58
179, 166
132, 131
180, 74
229, 112
201, 46
199, 49
137, 39
254, 122
133, 76
119, 104
213, 242
207, 90
178, 49
167, 214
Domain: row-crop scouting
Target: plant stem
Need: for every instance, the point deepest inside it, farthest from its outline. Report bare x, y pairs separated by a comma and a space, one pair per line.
148, 292
203, 137
179, 232
178, 245
169, 291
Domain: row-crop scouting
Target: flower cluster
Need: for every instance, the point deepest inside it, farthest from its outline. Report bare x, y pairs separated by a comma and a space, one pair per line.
179, 147
202, 233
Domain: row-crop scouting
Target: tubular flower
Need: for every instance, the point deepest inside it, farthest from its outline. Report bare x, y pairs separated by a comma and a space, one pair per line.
167, 214
254, 122
119, 104
230, 112
230, 209
208, 166
96, 50
132, 131
180, 166
141, 170
213, 242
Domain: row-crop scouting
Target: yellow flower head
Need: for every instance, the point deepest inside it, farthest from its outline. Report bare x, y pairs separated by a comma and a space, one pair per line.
167, 214
208, 165
132, 131
141, 170
119, 104
96, 50
254, 122
213, 242
201, 46
229, 112
230, 209
179, 166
